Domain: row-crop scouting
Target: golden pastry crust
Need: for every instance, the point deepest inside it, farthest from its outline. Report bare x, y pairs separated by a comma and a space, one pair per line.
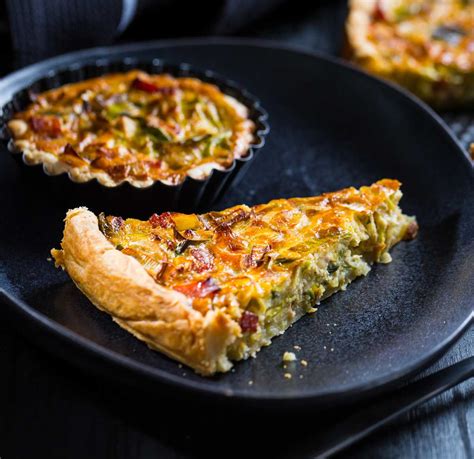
426, 46
161, 317
133, 127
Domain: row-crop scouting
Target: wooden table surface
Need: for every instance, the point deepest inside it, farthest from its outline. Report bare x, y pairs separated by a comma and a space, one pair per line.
50, 409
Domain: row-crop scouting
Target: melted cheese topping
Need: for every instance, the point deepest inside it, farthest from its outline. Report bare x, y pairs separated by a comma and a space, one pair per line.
135, 127
427, 33
432, 39
266, 265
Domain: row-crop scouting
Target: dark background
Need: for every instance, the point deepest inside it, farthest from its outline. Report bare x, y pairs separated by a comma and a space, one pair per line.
50, 409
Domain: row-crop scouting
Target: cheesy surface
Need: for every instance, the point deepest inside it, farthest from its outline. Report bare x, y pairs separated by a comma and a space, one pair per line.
267, 265
426, 45
134, 127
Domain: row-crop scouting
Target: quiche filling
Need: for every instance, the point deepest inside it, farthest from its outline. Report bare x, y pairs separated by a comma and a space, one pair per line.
133, 127
265, 266
426, 45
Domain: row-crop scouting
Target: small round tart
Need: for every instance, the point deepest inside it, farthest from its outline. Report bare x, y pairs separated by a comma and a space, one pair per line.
133, 127
425, 45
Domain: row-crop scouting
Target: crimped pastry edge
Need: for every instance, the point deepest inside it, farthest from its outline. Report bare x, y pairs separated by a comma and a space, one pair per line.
119, 285
53, 165
356, 27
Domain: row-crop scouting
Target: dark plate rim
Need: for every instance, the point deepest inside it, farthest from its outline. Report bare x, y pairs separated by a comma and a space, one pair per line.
204, 386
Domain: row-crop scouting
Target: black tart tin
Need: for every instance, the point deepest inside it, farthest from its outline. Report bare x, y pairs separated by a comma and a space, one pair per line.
188, 196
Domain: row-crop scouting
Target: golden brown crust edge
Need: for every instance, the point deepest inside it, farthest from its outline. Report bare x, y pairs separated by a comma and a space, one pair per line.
53, 165
118, 284
360, 49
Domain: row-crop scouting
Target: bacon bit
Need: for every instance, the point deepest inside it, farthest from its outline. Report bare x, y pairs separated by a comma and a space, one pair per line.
116, 223
248, 322
154, 220
411, 231
379, 13
119, 172
164, 220
199, 289
203, 259
49, 125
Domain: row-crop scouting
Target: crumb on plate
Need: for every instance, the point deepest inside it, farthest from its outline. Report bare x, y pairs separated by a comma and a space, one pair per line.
289, 357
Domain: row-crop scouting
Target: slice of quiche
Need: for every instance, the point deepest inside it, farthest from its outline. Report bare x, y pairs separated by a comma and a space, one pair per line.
212, 288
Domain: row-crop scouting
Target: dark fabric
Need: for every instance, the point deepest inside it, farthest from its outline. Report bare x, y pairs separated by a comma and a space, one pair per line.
43, 28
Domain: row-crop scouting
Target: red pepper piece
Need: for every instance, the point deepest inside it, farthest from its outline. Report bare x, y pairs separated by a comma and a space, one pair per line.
143, 85
248, 322
379, 13
199, 289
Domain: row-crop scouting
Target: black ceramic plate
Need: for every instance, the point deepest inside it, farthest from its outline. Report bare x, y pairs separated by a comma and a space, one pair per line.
332, 126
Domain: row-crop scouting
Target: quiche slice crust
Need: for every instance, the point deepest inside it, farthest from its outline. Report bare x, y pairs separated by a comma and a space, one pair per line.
425, 45
213, 288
